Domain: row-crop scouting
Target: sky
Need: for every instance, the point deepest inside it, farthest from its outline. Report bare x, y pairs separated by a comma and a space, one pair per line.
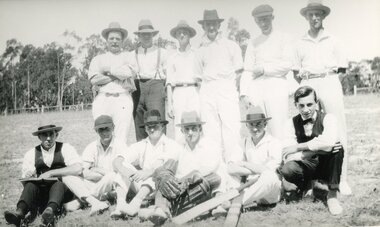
355, 22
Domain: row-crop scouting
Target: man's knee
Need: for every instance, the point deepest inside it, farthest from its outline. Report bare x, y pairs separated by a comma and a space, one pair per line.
289, 170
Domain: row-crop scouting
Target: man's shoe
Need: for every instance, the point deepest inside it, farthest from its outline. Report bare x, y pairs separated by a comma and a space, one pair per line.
219, 211
48, 216
14, 217
72, 205
145, 213
98, 207
334, 206
158, 217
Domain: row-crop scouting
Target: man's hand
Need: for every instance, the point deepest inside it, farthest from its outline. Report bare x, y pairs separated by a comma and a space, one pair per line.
258, 71
45, 175
303, 74
288, 151
30, 173
141, 175
246, 101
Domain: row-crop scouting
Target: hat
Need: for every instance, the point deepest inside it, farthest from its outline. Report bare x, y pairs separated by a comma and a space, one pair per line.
114, 26
190, 118
46, 128
183, 24
313, 5
262, 10
145, 26
255, 114
153, 117
210, 15
103, 121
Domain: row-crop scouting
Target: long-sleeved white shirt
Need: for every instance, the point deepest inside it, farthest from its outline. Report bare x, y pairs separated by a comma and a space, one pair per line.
180, 67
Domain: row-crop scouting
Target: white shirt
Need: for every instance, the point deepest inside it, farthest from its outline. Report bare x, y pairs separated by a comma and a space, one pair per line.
180, 67
96, 156
69, 154
267, 152
218, 59
320, 55
145, 64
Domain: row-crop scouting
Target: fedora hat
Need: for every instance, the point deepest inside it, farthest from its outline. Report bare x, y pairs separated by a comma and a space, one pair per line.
145, 26
103, 121
210, 15
114, 26
190, 118
262, 10
46, 128
153, 117
315, 5
255, 114
183, 24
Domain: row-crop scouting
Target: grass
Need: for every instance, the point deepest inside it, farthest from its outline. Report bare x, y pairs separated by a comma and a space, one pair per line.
361, 208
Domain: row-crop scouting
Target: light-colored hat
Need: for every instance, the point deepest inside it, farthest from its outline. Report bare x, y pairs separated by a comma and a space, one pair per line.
183, 24
114, 26
153, 117
262, 10
190, 118
103, 121
210, 15
255, 114
315, 5
46, 128
145, 26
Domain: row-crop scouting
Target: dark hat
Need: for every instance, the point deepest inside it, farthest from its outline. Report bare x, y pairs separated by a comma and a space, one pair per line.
255, 114
114, 26
183, 24
145, 26
46, 128
153, 117
190, 118
262, 10
103, 121
315, 5
210, 15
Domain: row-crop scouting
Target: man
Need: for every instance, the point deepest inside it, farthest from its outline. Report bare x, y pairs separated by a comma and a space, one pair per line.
50, 159
150, 66
190, 179
319, 62
110, 75
98, 175
181, 84
136, 167
311, 148
267, 61
216, 63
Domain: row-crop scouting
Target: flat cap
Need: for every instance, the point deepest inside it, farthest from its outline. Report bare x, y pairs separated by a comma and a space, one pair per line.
262, 10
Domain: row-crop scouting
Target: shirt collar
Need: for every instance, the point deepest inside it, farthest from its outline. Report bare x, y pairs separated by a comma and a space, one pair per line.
323, 35
206, 41
100, 146
266, 138
50, 150
149, 49
162, 140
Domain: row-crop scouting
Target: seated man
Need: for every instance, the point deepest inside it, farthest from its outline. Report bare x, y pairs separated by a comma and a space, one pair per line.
137, 166
262, 156
311, 150
189, 180
47, 160
98, 175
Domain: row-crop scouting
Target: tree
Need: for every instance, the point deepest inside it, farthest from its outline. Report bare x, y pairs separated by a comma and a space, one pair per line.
240, 36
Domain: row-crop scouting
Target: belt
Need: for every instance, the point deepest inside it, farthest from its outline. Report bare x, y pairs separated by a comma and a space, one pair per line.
185, 85
318, 75
108, 94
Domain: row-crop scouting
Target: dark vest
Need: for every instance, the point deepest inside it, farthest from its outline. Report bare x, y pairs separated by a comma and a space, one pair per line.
58, 161
300, 131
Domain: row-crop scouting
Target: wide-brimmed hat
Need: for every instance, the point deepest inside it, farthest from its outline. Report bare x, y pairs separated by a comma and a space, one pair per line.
183, 24
46, 128
153, 117
315, 5
145, 26
262, 10
103, 121
210, 15
114, 26
255, 114
190, 118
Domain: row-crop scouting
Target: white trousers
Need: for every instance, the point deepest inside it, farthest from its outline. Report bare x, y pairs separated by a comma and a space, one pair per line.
119, 108
267, 189
271, 94
221, 112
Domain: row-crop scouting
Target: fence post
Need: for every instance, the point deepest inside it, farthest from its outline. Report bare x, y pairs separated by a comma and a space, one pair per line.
355, 90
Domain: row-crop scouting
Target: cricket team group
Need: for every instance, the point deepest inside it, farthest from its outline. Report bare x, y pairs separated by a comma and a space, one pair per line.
157, 177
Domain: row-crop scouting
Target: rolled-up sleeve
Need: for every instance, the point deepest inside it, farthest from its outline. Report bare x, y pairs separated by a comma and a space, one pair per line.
70, 155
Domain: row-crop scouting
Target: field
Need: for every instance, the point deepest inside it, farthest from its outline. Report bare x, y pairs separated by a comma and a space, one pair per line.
361, 208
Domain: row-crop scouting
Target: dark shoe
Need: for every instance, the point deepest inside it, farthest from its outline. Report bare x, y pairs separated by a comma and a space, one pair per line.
48, 217
14, 217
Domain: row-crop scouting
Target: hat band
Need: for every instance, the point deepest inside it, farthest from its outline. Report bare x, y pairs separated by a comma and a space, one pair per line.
142, 27
255, 117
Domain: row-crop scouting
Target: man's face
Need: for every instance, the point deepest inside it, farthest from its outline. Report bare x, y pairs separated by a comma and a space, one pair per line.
256, 128
307, 106
114, 41
265, 23
211, 28
154, 131
315, 18
192, 133
48, 139
105, 134
146, 39
183, 36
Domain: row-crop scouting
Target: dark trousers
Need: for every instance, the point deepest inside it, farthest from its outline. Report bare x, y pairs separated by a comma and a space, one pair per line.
40, 195
326, 167
152, 96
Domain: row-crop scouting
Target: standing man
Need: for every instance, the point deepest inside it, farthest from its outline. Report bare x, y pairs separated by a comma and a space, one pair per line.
47, 160
267, 61
110, 74
217, 62
319, 60
150, 66
182, 86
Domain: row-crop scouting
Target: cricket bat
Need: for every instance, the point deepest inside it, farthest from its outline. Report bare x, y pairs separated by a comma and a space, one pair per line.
233, 215
210, 204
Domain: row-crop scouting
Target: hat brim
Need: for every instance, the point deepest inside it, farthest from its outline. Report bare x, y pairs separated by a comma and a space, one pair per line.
190, 29
108, 30
191, 123
255, 120
144, 31
154, 123
202, 21
57, 129
103, 125
325, 9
